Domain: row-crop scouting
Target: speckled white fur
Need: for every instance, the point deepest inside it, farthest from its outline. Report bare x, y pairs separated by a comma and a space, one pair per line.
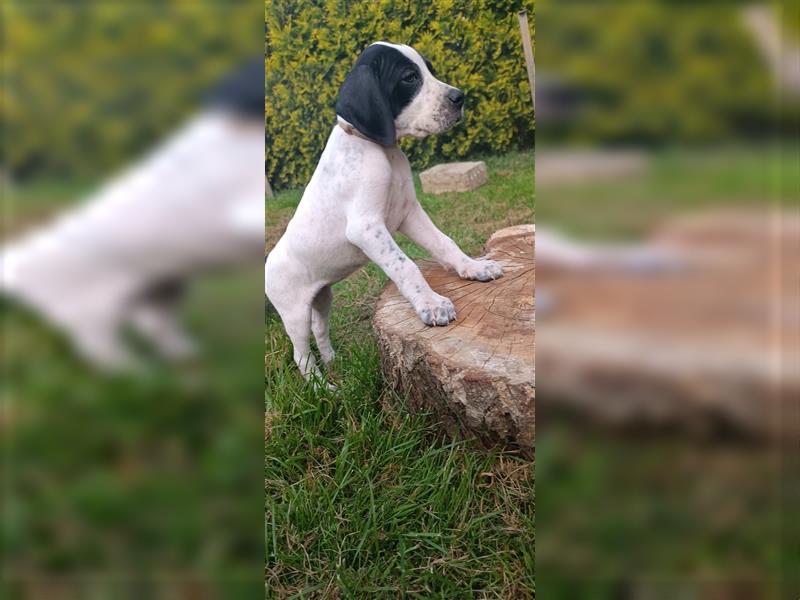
360, 194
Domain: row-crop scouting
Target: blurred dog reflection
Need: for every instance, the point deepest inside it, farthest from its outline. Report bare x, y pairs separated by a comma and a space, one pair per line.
555, 249
122, 259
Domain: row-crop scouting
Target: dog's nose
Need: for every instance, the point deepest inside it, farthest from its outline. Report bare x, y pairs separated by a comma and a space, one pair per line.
456, 96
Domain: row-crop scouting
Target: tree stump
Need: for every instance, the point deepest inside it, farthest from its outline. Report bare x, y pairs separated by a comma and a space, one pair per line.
476, 376
703, 350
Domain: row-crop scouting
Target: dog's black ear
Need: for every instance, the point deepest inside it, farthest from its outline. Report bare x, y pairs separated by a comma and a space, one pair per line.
364, 104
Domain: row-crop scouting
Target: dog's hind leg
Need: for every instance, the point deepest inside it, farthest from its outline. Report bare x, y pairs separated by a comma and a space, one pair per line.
294, 305
320, 311
98, 340
297, 322
155, 316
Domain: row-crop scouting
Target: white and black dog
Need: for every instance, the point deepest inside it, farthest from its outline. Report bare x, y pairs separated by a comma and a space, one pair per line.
196, 202
361, 193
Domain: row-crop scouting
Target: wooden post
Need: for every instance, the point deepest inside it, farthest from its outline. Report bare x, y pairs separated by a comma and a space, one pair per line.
269, 189
528, 50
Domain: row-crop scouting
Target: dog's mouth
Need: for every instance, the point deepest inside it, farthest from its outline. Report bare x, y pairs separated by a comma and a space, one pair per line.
446, 119
456, 116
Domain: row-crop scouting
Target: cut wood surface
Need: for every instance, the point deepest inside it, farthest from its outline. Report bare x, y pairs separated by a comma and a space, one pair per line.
703, 349
477, 374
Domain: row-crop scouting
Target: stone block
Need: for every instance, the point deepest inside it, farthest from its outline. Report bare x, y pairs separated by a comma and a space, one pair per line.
454, 177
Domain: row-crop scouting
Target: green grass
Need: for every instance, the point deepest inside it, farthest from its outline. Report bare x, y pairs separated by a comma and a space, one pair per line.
121, 486
362, 499
675, 181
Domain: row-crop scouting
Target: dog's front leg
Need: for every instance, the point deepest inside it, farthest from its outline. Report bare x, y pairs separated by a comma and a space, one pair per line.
419, 227
374, 240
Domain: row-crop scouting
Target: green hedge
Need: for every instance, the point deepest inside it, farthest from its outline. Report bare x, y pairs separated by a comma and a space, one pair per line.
657, 71
87, 86
473, 44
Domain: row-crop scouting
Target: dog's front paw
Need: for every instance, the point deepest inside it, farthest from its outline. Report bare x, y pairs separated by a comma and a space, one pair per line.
435, 310
481, 270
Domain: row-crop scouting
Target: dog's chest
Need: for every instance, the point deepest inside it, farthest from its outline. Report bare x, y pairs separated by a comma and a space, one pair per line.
401, 192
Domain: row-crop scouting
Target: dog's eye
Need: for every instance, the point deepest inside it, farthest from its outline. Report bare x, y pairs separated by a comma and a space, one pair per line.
410, 77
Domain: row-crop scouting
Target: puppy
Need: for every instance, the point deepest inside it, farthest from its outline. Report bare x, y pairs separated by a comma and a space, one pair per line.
122, 258
360, 194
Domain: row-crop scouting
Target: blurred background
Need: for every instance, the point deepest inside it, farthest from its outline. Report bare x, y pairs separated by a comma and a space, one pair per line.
667, 422
126, 485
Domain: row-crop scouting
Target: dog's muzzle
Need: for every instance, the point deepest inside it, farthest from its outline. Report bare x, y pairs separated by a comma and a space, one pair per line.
455, 98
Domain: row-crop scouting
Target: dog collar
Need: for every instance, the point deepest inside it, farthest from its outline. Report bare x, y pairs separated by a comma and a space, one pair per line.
350, 130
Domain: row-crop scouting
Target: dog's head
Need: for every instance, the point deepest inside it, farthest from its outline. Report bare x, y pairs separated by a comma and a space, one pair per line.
392, 92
